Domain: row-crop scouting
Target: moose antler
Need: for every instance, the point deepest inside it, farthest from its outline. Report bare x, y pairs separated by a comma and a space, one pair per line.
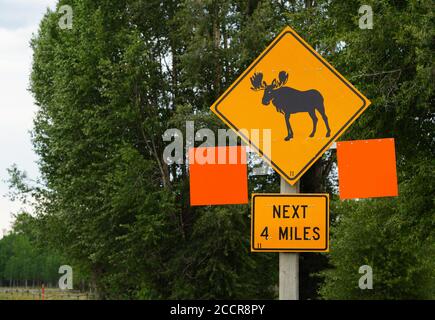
282, 79
257, 82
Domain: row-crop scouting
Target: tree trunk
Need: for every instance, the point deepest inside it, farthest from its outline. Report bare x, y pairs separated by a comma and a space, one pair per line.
216, 44
252, 5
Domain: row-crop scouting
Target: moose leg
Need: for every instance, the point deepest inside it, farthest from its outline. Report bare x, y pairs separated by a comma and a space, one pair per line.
289, 128
314, 118
321, 110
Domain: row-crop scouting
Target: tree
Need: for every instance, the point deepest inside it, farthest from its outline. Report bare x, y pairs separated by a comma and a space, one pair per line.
393, 236
392, 64
22, 261
107, 90
128, 70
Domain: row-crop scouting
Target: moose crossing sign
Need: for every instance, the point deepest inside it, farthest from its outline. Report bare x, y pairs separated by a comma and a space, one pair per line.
293, 92
290, 222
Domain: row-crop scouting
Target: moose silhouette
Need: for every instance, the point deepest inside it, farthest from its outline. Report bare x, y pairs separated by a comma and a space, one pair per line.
288, 100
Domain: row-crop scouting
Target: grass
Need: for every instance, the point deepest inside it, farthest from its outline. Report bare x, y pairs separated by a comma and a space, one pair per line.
35, 294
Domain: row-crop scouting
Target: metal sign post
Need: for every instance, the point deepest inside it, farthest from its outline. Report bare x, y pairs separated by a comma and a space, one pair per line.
289, 261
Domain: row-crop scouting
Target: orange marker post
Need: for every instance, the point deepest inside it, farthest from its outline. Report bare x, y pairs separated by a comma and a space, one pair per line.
367, 168
218, 175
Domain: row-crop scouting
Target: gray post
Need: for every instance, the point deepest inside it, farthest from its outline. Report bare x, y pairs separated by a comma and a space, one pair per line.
288, 261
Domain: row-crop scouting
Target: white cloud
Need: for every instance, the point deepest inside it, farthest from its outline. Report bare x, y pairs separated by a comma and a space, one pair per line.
16, 14
18, 20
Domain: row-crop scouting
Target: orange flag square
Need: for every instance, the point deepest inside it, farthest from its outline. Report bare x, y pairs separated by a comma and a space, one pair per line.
218, 175
367, 168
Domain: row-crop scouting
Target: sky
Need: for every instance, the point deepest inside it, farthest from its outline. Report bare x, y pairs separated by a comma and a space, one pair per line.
19, 19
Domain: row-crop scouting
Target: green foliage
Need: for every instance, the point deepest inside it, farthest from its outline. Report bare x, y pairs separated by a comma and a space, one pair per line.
22, 261
394, 236
113, 209
392, 64
107, 90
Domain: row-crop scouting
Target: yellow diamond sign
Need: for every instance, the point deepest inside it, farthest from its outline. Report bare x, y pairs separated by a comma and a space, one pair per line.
296, 96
